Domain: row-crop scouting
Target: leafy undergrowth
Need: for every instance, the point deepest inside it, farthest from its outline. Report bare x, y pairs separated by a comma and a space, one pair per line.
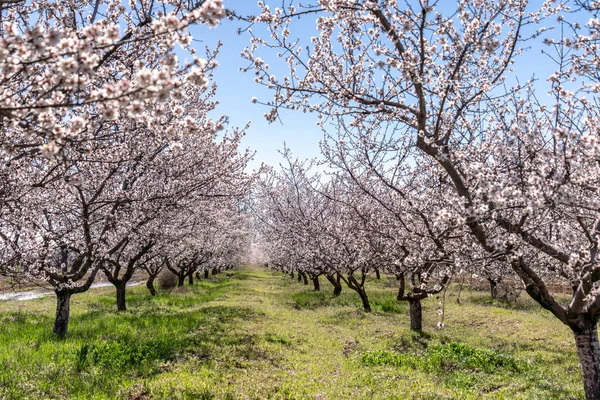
256, 334
456, 364
448, 358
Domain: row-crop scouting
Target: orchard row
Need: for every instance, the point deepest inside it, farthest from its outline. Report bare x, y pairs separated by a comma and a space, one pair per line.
110, 162
458, 136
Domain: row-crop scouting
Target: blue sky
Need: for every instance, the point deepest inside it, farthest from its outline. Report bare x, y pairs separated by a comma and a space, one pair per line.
296, 129
236, 89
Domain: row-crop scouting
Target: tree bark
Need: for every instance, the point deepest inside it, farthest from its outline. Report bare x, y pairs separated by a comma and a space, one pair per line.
338, 290
588, 351
305, 278
150, 284
377, 274
191, 278
493, 288
358, 288
215, 271
292, 274
180, 280
121, 303
299, 277
337, 287
63, 307
205, 274
364, 299
316, 284
416, 315
401, 287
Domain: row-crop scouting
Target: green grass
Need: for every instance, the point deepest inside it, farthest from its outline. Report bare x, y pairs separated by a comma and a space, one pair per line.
256, 334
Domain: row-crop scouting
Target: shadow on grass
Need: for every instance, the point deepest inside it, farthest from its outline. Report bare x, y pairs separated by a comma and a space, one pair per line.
125, 346
380, 302
518, 305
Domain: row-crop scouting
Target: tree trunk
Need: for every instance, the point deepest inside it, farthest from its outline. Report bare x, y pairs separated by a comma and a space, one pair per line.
337, 287
121, 304
315, 280
338, 290
416, 315
180, 280
215, 271
589, 357
299, 277
377, 274
305, 278
191, 278
365, 300
63, 306
400, 279
150, 284
205, 274
493, 288
360, 289
292, 274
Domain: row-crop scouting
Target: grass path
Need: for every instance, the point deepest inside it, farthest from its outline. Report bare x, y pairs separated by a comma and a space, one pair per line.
257, 334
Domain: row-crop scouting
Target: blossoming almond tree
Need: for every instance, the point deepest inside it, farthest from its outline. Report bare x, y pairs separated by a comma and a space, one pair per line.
97, 203
68, 67
164, 180
397, 203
